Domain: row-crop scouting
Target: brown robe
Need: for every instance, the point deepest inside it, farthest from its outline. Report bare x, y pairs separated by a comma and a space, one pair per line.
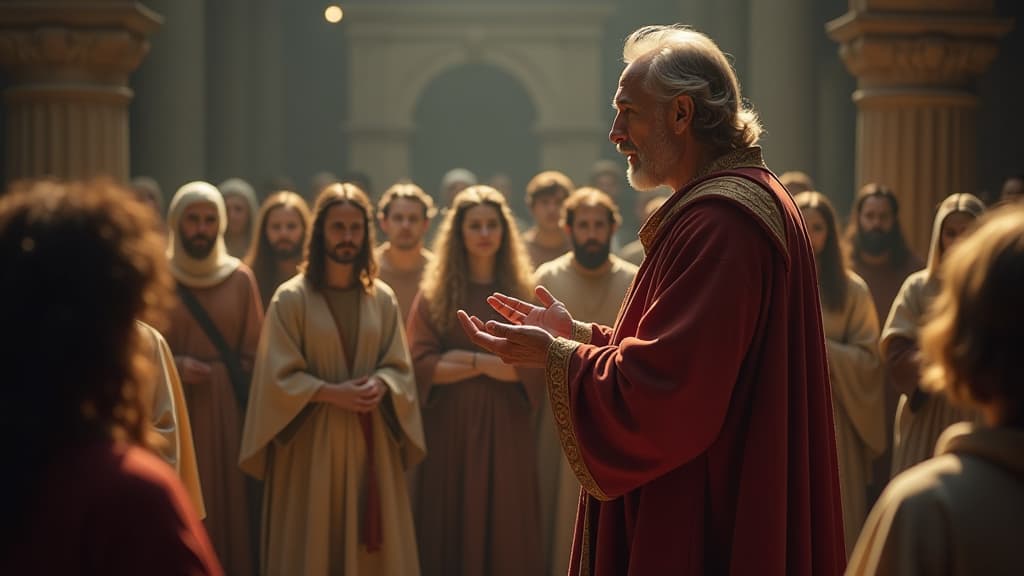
540, 254
234, 306
477, 510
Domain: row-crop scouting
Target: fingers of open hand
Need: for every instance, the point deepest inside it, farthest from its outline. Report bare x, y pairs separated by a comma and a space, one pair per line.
545, 297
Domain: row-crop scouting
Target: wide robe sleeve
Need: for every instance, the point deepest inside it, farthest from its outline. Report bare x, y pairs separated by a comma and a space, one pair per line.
629, 413
425, 346
856, 368
898, 343
394, 367
282, 385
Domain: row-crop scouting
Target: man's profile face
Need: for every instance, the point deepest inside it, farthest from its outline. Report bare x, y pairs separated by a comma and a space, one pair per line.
640, 130
547, 209
405, 223
591, 231
285, 232
344, 233
199, 228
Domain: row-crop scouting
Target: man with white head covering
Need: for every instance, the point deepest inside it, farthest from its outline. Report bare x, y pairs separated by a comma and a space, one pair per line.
213, 334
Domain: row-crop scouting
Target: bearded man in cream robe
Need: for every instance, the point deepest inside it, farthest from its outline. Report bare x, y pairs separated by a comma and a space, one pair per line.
333, 417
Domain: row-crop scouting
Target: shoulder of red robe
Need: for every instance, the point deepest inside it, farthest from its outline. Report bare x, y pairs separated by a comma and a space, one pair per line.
754, 198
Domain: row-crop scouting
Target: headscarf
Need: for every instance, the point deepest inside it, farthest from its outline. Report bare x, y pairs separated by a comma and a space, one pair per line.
239, 187
953, 203
218, 265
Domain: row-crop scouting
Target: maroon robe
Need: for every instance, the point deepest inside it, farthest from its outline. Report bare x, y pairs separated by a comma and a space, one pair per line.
701, 427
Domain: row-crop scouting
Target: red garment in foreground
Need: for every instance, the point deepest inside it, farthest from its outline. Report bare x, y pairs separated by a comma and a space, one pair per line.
701, 428
115, 510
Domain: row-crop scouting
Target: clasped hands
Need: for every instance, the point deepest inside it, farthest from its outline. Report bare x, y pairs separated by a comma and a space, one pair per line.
356, 395
525, 339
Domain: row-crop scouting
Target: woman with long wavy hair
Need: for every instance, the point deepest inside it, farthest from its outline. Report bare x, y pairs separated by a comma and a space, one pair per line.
477, 510
851, 338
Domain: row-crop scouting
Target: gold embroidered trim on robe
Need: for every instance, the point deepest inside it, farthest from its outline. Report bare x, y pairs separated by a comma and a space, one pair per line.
743, 158
582, 332
557, 376
740, 190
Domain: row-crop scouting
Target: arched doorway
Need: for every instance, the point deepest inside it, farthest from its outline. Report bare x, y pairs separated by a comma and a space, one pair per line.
475, 116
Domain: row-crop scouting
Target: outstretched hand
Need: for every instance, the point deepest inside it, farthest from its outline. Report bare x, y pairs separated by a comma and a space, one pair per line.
552, 316
517, 345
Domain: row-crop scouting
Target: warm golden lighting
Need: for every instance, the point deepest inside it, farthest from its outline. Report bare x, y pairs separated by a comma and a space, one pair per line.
333, 14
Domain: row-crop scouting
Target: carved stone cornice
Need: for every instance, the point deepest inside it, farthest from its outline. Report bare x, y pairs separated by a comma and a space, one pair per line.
922, 49
62, 42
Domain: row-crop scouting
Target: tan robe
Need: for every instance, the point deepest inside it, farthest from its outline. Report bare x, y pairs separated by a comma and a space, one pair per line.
405, 283
916, 431
589, 298
169, 415
234, 306
858, 398
540, 254
312, 456
959, 514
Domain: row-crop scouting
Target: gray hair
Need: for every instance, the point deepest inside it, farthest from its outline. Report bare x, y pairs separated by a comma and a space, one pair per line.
684, 61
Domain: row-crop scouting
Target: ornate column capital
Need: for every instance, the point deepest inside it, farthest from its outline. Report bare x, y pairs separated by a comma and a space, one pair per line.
931, 48
53, 42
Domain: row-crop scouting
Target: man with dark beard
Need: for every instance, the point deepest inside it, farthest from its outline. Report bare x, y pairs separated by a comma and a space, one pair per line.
213, 332
878, 252
591, 281
283, 222
880, 255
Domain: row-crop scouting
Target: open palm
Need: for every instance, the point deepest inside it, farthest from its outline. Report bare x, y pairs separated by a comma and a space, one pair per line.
552, 316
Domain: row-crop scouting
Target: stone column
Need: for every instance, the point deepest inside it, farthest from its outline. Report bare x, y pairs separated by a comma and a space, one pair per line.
170, 120
914, 61
67, 100
781, 82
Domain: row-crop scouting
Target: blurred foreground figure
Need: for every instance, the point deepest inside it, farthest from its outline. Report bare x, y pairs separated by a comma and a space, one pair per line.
78, 264
962, 512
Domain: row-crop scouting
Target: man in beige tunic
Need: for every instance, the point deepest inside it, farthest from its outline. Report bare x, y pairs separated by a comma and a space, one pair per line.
333, 418
592, 282
404, 213
545, 194
215, 384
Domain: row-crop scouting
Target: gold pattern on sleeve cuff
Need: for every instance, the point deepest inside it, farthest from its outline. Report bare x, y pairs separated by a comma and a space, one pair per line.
582, 332
557, 375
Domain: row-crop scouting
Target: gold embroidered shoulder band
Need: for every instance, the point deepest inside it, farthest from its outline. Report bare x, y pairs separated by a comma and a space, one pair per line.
557, 375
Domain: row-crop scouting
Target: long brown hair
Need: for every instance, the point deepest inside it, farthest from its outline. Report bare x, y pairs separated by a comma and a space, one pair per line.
260, 257
315, 264
446, 280
831, 262
81, 263
900, 252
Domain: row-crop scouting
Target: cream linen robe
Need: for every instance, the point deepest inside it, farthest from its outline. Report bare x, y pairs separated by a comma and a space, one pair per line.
169, 418
312, 456
858, 397
915, 432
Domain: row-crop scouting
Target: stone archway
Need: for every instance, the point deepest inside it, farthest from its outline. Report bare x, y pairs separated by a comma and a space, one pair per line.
552, 51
